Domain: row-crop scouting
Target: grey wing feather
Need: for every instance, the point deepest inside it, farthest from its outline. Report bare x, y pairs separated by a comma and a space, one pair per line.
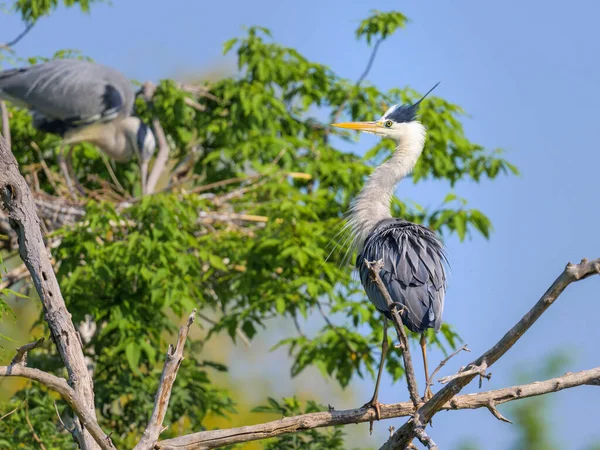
74, 91
413, 272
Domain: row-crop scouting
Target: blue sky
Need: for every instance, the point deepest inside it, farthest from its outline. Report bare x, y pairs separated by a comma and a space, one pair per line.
526, 72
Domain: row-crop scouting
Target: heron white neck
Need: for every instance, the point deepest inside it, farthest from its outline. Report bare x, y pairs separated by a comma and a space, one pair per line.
372, 205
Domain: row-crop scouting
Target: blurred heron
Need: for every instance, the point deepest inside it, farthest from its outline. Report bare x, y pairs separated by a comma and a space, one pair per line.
82, 101
413, 258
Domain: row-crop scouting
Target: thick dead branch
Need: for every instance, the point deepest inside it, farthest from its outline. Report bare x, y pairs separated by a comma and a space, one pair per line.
571, 273
161, 402
5, 122
18, 202
60, 385
220, 438
411, 381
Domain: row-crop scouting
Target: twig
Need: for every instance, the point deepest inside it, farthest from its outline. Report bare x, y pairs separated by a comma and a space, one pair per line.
13, 411
18, 202
411, 381
338, 111
220, 438
492, 408
443, 363
113, 176
60, 419
36, 438
571, 273
466, 372
16, 40
21, 357
194, 104
240, 333
45, 168
297, 325
5, 122
163, 394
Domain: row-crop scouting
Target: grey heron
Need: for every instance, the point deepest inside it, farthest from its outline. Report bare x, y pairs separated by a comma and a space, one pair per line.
413, 257
82, 101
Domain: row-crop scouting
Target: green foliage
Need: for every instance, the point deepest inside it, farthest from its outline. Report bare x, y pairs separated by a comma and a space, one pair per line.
380, 25
252, 247
33, 407
32, 10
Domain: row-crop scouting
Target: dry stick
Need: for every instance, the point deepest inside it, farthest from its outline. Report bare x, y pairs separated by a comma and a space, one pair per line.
18, 202
411, 381
5, 122
14, 42
443, 363
220, 438
21, 356
13, 411
571, 273
338, 111
163, 394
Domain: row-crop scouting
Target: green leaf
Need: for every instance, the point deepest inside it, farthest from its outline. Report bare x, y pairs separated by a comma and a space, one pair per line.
133, 353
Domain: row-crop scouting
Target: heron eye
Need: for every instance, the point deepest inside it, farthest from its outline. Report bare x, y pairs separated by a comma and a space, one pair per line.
388, 124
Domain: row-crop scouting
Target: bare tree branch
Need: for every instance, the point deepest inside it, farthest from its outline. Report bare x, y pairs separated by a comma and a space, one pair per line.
161, 402
443, 363
15, 41
571, 273
220, 438
21, 356
18, 202
61, 386
5, 122
340, 109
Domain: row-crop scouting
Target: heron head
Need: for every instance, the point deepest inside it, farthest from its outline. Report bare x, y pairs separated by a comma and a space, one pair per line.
140, 139
395, 122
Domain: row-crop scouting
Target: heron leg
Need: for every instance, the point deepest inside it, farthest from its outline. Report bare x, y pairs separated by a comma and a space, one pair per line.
428, 393
374, 402
64, 168
69, 164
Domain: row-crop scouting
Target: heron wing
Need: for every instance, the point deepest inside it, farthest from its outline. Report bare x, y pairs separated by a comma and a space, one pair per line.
68, 92
413, 272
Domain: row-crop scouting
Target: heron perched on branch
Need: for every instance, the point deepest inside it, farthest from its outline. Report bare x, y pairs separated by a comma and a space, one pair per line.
413, 258
82, 101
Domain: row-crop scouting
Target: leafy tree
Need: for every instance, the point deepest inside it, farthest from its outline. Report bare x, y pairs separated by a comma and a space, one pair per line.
245, 233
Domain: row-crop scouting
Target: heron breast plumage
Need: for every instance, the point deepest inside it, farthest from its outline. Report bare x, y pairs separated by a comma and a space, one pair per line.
413, 271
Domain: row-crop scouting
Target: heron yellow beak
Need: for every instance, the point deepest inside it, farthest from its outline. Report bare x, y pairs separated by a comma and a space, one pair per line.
360, 126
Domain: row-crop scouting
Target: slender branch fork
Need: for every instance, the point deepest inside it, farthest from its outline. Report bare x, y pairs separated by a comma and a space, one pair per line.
78, 392
404, 436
